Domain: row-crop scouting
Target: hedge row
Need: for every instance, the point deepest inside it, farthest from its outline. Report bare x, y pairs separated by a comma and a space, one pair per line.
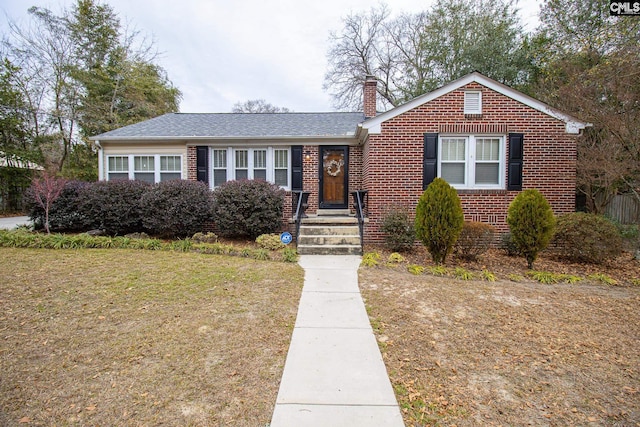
171, 209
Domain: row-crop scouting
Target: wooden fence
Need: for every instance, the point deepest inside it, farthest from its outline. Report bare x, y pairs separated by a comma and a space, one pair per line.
624, 208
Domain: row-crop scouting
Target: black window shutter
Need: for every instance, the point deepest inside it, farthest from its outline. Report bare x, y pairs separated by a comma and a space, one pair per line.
202, 164
296, 167
430, 160
516, 157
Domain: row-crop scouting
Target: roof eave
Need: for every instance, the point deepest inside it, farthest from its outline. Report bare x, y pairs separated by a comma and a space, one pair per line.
225, 138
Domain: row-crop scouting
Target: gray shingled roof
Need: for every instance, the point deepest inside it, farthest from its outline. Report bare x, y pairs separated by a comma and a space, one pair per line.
230, 125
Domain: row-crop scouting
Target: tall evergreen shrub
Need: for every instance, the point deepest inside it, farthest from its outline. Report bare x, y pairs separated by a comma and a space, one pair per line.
532, 223
439, 219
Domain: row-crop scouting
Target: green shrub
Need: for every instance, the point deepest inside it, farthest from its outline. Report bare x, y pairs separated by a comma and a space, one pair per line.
112, 206
176, 208
531, 222
583, 237
439, 219
399, 231
370, 259
474, 240
415, 269
462, 274
395, 258
271, 242
289, 255
201, 237
248, 208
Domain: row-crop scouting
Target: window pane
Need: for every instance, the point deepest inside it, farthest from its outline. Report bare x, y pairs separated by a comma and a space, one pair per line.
219, 177
281, 177
170, 163
241, 174
118, 176
143, 163
453, 173
119, 164
488, 149
168, 176
145, 176
487, 173
453, 149
281, 159
260, 174
219, 158
242, 159
260, 159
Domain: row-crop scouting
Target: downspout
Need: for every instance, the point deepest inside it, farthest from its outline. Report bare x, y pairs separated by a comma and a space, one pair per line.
100, 161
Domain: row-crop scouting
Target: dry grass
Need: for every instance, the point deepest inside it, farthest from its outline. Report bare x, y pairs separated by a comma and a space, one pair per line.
469, 353
136, 338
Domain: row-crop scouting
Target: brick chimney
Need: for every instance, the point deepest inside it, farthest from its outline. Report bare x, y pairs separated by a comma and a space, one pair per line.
370, 84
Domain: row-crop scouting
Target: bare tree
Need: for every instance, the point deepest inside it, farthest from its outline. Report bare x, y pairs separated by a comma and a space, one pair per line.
46, 189
415, 53
257, 106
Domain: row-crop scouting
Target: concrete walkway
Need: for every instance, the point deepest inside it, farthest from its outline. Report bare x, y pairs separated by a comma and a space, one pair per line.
14, 221
334, 374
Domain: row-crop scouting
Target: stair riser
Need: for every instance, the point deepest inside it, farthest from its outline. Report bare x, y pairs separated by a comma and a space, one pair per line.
329, 240
325, 250
329, 231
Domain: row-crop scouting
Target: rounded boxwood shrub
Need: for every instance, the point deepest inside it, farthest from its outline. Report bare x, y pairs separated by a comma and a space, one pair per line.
439, 219
64, 214
112, 206
399, 230
474, 240
248, 208
531, 223
176, 208
584, 237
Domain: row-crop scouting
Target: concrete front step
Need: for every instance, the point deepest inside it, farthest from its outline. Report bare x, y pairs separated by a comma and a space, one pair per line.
329, 235
329, 240
329, 220
327, 230
330, 250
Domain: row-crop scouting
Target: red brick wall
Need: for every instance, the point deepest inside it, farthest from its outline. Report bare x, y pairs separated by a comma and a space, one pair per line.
392, 160
192, 171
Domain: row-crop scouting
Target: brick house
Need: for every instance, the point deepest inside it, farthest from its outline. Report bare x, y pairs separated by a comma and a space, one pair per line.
487, 140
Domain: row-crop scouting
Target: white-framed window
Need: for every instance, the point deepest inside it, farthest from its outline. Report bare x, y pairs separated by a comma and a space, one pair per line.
242, 164
272, 164
472, 161
170, 168
117, 167
260, 164
473, 102
281, 168
144, 168
219, 167
148, 167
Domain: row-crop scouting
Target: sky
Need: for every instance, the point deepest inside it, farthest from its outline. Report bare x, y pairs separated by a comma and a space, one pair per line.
220, 52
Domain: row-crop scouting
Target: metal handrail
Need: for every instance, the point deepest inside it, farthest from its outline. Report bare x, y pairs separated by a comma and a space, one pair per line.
300, 203
360, 205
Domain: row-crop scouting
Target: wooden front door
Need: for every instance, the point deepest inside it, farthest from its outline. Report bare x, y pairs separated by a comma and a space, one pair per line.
334, 184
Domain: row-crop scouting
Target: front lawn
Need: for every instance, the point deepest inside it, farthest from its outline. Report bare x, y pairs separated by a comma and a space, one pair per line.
131, 338
473, 352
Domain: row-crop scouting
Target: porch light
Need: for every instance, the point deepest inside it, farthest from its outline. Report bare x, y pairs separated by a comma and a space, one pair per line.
307, 155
